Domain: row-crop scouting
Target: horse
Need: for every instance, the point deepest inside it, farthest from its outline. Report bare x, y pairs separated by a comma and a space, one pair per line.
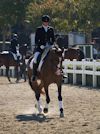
51, 72
69, 53
7, 59
74, 53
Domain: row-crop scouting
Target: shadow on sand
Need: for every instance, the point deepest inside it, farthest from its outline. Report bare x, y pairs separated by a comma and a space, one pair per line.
35, 117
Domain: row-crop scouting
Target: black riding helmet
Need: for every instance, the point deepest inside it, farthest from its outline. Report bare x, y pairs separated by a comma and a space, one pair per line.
15, 35
45, 18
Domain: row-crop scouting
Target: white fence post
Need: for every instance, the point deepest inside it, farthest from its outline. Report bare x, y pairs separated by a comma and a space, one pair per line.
84, 70
74, 73
91, 50
65, 71
83, 74
13, 72
94, 76
3, 71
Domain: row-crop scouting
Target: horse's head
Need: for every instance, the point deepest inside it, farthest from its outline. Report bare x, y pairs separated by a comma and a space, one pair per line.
23, 49
56, 51
55, 58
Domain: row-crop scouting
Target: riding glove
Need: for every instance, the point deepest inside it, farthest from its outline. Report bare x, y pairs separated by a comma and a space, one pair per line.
42, 46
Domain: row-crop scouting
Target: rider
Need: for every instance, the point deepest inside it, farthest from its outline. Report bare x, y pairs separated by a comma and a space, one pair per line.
14, 46
44, 37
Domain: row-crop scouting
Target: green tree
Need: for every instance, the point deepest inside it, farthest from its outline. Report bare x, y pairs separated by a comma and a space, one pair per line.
11, 12
82, 15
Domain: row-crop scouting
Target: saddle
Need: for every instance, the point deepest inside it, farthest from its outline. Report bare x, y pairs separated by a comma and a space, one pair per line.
41, 61
4, 52
15, 56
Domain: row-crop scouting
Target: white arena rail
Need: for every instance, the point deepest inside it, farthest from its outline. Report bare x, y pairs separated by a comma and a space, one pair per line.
72, 67
3, 71
80, 67
11, 70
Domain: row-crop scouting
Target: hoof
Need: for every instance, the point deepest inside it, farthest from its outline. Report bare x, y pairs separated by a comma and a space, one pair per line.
17, 81
9, 80
25, 80
61, 115
45, 110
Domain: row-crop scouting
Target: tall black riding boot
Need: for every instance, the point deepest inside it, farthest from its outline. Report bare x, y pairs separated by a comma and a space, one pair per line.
34, 71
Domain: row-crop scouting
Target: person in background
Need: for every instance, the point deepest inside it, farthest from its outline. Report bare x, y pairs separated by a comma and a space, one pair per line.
14, 43
14, 46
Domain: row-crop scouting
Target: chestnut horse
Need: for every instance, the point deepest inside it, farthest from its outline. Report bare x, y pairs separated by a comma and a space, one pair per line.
51, 72
69, 53
7, 59
73, 53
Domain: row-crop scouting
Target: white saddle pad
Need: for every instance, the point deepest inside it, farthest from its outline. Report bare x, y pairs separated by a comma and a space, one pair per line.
15, 56
5, 52
31, 63
42, 57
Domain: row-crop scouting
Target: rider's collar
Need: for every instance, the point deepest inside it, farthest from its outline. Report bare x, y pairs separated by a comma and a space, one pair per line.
45, 28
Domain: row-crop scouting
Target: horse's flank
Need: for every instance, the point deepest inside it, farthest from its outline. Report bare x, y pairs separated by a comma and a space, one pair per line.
7, 60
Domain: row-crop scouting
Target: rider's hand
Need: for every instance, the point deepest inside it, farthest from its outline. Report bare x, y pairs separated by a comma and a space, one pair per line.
42, 46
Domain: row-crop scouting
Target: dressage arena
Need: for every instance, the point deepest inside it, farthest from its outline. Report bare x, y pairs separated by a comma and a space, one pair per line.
18, 114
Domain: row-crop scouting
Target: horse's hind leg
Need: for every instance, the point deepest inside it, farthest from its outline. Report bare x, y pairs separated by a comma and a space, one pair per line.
37, 95
47, 100
17, 68
60, 101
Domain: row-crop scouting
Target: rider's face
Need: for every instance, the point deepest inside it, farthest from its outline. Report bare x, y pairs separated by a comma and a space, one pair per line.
45, 23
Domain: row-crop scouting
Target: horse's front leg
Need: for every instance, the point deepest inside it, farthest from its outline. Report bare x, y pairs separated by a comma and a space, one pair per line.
17, 69
47, 100
39, 106
60, 101
7, 74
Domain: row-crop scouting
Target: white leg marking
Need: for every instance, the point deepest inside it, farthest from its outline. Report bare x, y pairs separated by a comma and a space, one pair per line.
39, 106
60, 104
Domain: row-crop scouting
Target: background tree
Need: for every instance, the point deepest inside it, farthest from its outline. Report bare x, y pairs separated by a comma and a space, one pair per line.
67, 14
11, 12
80, 15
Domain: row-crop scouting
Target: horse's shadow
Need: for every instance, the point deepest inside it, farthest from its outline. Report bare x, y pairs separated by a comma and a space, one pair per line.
35, 117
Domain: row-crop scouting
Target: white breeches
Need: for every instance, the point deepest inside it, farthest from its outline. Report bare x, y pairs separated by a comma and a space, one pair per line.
35, 56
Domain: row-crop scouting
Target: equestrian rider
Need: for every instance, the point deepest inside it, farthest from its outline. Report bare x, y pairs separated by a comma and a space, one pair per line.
14, 46
44, 37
